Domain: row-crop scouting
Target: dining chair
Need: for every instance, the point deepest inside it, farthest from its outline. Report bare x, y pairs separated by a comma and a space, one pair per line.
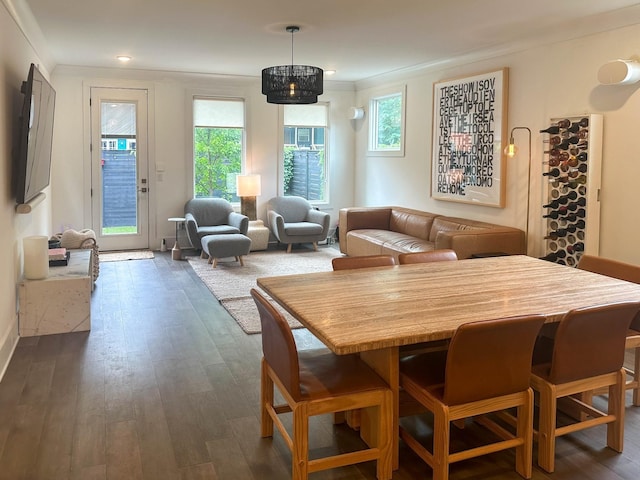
630, 273
365, 261
586, 353
441, 255
486, 369
315, 382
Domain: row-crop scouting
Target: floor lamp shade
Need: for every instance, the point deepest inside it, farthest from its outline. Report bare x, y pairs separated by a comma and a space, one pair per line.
248, 188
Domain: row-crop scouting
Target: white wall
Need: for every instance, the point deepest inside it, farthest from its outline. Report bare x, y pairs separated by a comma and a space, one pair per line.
170, 125
546, 82
16, 54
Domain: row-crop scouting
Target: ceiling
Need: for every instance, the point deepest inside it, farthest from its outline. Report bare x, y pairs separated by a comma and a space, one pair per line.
360, 39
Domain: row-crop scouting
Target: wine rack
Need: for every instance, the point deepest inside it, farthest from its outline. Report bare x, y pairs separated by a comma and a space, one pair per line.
573, 157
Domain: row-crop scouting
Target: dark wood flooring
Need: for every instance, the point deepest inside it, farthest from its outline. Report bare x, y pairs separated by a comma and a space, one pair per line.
165, 386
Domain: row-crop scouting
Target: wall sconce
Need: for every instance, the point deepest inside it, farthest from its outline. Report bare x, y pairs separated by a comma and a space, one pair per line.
248, 188
511, 151
355, 113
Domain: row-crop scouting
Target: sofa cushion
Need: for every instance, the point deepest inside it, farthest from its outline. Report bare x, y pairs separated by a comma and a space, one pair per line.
446, 224
411, 222
384, 241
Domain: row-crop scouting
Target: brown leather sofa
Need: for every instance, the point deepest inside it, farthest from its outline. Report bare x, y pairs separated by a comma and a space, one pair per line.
395, 230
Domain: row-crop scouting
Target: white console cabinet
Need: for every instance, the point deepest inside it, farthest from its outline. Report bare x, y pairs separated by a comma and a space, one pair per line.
59, 303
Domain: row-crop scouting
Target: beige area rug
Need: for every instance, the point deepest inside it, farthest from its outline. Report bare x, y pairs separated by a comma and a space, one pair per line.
231, 283
126, 255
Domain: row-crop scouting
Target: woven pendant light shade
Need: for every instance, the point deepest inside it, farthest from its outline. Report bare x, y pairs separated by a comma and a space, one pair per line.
292, 84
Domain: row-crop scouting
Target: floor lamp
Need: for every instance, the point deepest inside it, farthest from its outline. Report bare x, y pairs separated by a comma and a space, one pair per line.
248, 188
511, 150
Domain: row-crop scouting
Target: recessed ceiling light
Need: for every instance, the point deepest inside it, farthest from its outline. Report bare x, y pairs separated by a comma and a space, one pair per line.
329, 72
123, 58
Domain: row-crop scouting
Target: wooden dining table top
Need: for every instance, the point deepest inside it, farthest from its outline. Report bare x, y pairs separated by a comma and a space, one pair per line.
375, 308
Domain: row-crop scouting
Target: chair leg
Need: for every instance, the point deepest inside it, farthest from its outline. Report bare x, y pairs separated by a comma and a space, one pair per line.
615, 429
266, 399
441, 440
636, 377
315, 246
547, 427
215, 262
384, 468
241, 261
289, 247
524, 430
300, 452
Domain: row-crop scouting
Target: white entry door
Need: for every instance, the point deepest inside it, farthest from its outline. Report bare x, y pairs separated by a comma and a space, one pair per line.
119, 168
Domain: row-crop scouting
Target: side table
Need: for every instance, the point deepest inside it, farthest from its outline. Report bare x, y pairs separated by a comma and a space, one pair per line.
61, 302
176, 253
259, 235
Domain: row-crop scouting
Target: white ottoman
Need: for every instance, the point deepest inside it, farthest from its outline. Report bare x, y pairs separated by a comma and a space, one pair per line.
259, 235
225, 245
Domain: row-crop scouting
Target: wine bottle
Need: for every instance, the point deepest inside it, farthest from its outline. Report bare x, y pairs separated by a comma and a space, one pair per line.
561, 232
553, 129
564, 123
553, 256
579, 225
582, 168
552, 214
553, 151
552, 204
555, 140
563, 145
574, 127
553, 162
577, 215
577, 180
554, 172
573, 140
584, 122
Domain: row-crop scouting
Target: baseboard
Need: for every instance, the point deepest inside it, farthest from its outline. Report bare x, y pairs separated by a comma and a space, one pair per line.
7, 347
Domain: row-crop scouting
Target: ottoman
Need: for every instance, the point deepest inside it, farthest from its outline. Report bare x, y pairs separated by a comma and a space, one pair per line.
225, 245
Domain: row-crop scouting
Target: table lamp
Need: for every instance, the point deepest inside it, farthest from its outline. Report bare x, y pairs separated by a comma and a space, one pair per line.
248, 188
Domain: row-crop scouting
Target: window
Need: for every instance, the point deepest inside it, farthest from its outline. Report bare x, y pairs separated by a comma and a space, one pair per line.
218, 146
386, 124
305, 152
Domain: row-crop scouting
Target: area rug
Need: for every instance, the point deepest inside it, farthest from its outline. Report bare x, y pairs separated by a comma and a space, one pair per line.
231, 283
126, 255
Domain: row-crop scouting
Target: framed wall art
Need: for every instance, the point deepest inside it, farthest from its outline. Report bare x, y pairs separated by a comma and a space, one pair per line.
469, 135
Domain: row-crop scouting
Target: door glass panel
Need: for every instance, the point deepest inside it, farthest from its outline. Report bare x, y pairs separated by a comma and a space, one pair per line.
119, 168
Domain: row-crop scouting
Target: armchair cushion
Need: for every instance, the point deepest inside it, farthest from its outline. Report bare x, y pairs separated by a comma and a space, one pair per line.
212, 216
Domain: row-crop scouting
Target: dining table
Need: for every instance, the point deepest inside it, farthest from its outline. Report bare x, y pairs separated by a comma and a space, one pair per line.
375, 311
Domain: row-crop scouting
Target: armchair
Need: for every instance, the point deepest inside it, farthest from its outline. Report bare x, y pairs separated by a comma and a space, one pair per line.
212, 216
294, 220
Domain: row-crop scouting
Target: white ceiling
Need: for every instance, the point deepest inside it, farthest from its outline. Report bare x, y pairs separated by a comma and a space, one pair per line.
360, 39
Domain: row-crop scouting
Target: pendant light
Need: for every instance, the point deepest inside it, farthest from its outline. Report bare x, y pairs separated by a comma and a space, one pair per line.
292, 84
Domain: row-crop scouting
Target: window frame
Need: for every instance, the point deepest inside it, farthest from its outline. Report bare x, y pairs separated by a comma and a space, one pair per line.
373, 148
192, 126
326, 147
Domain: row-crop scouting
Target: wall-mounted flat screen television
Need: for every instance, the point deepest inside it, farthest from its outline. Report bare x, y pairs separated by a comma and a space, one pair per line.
33, 164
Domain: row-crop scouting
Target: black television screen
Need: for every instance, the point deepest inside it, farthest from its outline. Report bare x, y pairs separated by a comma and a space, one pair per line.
33, 164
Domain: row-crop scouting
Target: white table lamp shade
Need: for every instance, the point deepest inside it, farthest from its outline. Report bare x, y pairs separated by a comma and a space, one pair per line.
36, 257
248, 185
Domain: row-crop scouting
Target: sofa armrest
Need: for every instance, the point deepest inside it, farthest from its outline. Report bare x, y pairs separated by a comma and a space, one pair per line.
468, 242
241, 222
358, 218
192, 230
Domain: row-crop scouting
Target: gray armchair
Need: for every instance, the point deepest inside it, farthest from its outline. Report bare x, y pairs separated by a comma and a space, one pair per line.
294, 220
212, 216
